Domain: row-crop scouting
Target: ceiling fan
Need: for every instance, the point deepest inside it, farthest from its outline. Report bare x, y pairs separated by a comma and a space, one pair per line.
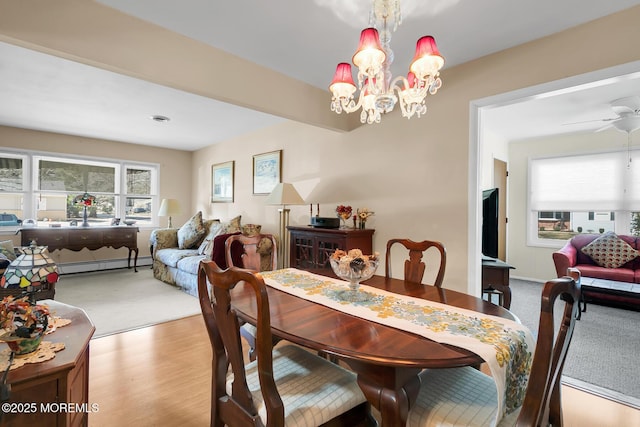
628, 115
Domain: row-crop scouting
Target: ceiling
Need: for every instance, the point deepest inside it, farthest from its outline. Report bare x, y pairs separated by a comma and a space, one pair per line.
303, 40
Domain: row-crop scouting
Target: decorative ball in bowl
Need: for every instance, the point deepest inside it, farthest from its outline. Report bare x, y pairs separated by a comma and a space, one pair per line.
129, 221
354, 267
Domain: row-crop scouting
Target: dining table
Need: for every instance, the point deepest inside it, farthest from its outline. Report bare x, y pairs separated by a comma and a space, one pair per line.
386, 359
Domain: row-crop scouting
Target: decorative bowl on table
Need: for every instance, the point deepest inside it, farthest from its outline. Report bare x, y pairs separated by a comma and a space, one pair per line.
129, 221
354, 267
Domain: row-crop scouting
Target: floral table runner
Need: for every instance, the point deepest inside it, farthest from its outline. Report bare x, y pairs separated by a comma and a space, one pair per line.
505, 345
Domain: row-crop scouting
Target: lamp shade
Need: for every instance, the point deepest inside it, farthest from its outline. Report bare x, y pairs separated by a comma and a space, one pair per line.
369, 56
284, 194
427, 60
32, 268
169, 207
342, 85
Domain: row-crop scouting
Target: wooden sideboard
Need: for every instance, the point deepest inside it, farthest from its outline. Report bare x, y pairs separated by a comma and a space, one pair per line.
311, 247
78, 238
39, 391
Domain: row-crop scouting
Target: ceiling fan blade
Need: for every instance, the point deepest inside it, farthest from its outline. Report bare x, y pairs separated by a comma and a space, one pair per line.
591, 121
623, 110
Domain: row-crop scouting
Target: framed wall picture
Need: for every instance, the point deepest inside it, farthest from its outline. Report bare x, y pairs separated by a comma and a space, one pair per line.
267, 171
222, 182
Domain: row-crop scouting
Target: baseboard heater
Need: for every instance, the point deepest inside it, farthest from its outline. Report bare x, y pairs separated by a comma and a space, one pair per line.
99, 265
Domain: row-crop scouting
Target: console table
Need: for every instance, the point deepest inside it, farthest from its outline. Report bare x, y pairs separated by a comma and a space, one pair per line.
77, 238
311, 247
63, 379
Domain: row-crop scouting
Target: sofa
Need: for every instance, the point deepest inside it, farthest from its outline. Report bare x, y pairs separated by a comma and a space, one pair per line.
177, 252
609, 265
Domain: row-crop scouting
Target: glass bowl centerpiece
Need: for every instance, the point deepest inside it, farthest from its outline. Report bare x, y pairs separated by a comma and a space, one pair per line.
354, 267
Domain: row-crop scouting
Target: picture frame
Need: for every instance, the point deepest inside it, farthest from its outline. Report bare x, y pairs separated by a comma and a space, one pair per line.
267, 171
222, 176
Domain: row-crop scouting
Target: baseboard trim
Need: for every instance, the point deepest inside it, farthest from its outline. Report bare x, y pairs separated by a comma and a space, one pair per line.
528, 279
99, 265
605, 393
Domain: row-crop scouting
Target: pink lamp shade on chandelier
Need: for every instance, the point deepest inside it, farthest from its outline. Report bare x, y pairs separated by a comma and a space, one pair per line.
342, 84
369, 54
427, 60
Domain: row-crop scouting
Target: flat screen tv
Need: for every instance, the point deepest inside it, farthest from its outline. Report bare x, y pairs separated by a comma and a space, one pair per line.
490, 222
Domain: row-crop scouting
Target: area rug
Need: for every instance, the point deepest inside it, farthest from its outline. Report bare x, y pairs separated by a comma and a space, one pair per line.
603, 355
121, 300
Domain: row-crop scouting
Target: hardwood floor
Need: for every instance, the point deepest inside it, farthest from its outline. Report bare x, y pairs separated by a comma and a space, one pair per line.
161, 375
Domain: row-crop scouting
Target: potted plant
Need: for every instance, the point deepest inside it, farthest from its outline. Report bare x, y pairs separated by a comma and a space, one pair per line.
23, 323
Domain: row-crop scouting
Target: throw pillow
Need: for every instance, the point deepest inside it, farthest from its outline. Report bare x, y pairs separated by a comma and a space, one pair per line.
6, 249
251, 230
218, 254
206, 246
191, 232
610, 251
232, 226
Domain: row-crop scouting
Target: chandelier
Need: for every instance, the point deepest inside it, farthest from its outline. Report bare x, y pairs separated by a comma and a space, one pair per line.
373, 59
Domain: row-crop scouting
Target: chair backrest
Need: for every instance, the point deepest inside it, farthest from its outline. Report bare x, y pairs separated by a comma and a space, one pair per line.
222, 325
251, 255
414, 267
542, 399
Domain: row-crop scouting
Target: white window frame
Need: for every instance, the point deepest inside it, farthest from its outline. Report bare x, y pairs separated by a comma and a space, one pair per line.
30, 191
622, 216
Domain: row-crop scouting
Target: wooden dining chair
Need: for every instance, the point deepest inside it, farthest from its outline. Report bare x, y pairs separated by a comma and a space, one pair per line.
467, 397
252, 259
285, 386
251, 253
414, 267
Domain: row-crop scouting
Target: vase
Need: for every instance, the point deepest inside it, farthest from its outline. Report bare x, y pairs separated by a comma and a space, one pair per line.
85, 222
343, 219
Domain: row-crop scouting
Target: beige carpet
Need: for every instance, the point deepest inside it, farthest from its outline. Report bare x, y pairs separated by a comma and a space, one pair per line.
121, 300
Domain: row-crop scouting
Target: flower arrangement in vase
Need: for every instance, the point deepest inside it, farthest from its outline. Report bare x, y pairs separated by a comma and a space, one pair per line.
344, 213
363, 215
23, 323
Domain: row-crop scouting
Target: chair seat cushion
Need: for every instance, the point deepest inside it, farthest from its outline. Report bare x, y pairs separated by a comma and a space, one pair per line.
313, 390
455, 397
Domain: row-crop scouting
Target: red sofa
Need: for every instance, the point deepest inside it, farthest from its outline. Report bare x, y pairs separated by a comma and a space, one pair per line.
572, 256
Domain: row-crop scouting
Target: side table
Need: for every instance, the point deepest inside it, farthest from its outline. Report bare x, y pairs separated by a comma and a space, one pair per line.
60, 381
495, 276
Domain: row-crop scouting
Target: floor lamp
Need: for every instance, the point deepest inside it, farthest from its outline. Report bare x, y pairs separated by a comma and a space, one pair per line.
284, 194
169, 207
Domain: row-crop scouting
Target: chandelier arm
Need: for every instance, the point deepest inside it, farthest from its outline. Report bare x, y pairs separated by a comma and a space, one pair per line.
350, 105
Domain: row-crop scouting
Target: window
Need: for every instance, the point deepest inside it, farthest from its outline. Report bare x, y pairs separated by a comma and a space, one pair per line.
590, 193
43, 188
12, 188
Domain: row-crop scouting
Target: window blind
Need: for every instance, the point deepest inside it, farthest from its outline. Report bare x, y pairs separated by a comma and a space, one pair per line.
584, 183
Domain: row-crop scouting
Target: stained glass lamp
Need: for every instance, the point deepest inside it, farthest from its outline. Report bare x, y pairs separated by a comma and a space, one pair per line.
30, 270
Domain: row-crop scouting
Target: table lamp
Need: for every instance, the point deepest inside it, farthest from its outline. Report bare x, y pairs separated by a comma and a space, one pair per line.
284, 194
169, 207
30, 270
